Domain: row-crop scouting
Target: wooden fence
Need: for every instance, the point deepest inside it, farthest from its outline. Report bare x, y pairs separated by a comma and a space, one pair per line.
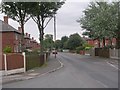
107, 53
12, 63
115, 53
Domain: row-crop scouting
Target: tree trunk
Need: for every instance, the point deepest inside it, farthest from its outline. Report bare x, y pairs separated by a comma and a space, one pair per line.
99, 43
110, 41
41, 35
22, 37
103, 42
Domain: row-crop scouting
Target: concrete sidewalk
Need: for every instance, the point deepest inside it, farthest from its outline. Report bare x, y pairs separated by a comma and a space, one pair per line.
51, 66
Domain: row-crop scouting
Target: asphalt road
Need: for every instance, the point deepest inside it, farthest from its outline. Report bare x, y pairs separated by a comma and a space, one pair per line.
78, 72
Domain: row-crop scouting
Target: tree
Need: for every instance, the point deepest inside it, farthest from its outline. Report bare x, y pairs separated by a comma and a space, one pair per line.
64, 40
100, 20
48, 42
18, 12
57, 44
74, 41
42, 14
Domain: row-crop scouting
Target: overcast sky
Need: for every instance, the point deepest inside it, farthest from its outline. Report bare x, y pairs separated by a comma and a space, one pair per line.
66, 20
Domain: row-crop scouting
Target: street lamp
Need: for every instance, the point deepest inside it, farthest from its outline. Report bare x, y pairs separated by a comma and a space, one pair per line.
55, 33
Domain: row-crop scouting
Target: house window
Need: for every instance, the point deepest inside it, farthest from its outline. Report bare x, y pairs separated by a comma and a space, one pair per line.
20, 48
16, 49
16, 36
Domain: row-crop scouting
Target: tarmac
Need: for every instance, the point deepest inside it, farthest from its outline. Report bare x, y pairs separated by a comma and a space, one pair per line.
51, 65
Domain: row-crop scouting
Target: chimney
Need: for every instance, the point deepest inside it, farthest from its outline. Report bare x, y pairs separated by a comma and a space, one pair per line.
26, 34
6, 19
32, 38
29, 35
20, 29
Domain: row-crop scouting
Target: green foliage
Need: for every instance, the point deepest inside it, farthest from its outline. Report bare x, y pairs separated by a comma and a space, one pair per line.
79, 48
74, 41
64, 40
87, 46
33, 60
17, 11
57, 44
7, 49
48, 42
101, 20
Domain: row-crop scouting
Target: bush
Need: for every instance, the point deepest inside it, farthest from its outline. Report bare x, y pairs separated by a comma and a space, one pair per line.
87, 46
79, 48
7, 49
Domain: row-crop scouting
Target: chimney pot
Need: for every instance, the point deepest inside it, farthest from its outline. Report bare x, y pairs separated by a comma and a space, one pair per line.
29, 35
6, 19
20, 29
26, 34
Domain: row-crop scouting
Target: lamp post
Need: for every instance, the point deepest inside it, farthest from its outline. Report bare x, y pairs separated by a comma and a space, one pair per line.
55, 32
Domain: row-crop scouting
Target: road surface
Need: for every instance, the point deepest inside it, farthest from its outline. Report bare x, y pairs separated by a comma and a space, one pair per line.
78, 72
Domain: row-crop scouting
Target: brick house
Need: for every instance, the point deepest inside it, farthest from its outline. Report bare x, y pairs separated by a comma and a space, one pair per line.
30, 43
95, 43
10, 36
27, 39
34, 44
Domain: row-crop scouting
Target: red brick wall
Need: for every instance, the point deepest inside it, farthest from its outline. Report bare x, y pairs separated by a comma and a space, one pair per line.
95, 42
9, 39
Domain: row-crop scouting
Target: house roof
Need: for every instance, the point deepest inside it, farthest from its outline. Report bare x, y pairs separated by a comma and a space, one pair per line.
4, 27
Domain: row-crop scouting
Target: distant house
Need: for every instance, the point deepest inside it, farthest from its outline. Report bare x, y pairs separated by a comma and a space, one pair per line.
34, 44
30, 43
10, 36
95, 42
27, 43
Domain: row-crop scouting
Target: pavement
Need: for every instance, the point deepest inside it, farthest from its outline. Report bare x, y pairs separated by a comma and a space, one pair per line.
51, 66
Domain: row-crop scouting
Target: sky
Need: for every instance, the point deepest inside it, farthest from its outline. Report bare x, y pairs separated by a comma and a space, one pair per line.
66, 18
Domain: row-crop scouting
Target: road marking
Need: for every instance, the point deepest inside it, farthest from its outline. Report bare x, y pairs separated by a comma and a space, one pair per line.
113, 65
102, 84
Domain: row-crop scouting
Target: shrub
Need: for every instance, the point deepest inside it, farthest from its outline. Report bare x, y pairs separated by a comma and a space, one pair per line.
7, 49
87, 46
79, 48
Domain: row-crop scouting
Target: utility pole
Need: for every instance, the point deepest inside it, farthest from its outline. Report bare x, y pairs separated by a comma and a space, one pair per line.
55, 33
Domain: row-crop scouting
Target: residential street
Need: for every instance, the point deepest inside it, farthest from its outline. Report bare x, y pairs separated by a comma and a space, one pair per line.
78, 72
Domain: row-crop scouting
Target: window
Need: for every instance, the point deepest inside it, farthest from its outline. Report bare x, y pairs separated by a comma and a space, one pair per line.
16, 36
16, 49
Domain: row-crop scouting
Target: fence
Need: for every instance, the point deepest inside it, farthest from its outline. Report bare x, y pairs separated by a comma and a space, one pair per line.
34, 59
115, 53
17, 63
13, 63
108, 53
